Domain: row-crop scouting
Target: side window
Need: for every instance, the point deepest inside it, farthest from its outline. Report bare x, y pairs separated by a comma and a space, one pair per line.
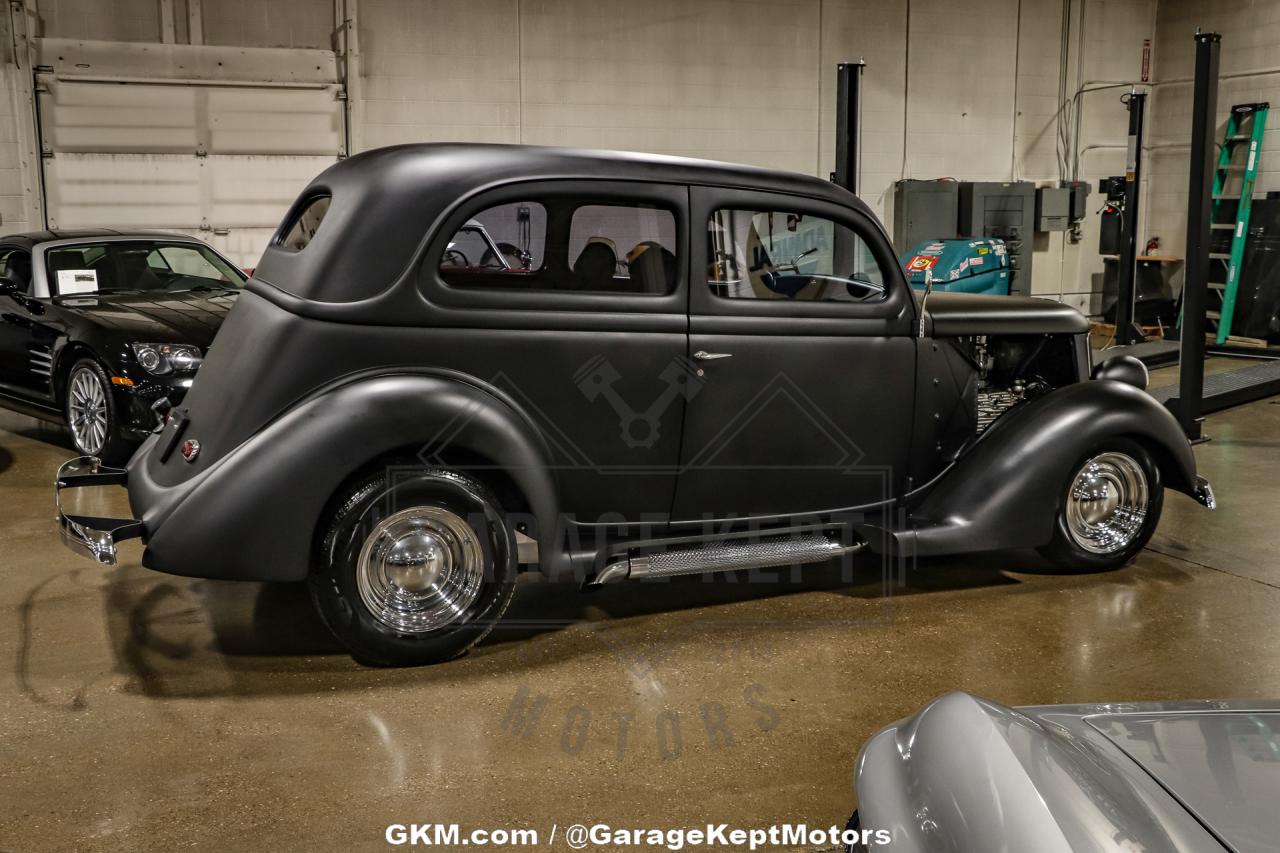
16, 264
623, 248
503, 242
775, 254
306, 223
565, 244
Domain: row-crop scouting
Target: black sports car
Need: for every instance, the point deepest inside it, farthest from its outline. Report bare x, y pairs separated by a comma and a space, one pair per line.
97, 328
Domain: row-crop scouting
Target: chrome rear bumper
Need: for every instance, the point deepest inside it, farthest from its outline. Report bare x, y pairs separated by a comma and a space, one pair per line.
1204, 494
92, 536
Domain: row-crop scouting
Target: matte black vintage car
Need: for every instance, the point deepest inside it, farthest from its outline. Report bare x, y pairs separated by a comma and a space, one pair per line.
97, 327
645, 365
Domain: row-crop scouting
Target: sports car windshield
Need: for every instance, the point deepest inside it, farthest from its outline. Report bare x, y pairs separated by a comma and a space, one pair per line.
127, 266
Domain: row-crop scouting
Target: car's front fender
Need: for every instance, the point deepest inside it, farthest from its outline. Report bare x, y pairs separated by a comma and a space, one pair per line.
1004, 492
253, 514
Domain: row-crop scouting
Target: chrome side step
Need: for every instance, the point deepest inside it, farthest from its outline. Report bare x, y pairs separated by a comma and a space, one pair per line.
725, 557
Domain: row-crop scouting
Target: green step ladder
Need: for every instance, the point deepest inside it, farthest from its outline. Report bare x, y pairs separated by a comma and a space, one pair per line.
1245, 128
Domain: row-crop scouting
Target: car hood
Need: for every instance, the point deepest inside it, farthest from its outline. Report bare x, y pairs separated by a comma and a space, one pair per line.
1221, 763
954, 314
190, 317
966, 774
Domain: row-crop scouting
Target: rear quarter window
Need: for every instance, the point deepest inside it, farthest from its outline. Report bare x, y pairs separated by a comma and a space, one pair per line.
306, 223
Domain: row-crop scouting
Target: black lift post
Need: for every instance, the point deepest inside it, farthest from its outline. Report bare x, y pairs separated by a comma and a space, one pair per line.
1127, 332
848, 114
1189, 404
1195, 393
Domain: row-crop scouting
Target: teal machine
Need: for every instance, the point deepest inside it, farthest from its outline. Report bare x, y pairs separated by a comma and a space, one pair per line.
974, 265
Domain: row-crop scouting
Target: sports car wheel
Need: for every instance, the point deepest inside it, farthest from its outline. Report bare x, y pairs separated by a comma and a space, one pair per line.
1109, 510
91, 414
414, 567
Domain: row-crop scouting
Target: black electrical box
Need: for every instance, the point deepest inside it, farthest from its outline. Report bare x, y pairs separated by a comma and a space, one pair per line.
1109, 231
923, 210
1079, 198
1006, 211
1110, 225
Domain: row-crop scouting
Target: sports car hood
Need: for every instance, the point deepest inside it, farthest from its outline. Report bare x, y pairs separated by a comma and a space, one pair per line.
1223, 764
189, 317
953, 314
965, 774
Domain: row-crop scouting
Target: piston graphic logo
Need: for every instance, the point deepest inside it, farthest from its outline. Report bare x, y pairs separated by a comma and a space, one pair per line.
639, 429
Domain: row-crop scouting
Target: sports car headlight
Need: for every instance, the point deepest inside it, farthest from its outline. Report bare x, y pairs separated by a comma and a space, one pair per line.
159, 359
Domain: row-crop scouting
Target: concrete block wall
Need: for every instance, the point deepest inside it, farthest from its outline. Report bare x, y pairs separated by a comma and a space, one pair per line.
1250, 31
966, 90
974, 85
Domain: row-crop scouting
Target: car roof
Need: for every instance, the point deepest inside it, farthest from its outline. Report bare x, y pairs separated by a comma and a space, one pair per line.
29, 239
383, 202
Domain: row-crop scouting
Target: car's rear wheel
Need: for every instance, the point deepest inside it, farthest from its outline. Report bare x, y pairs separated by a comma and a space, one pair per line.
1109, 509
91, 414
413, 567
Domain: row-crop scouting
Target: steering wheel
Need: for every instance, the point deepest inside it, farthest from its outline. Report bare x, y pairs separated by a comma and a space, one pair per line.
861, 287
512, 258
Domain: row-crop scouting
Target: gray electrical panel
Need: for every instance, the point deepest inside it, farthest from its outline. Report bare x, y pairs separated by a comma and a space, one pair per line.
1053, 209
923, 210
1006, 211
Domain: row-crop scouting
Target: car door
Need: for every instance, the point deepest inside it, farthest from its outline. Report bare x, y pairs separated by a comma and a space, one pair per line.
570, 298
801, 325
26, 341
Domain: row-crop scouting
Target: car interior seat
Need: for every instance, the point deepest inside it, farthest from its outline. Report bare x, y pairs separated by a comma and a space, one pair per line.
133, 272
652, 268
596, 265
18, 268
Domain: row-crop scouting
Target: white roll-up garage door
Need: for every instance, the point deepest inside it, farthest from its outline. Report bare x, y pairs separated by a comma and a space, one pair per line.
140, 141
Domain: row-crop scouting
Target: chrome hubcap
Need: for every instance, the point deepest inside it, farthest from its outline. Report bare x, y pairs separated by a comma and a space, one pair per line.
1107, 503
420, 569
87, 411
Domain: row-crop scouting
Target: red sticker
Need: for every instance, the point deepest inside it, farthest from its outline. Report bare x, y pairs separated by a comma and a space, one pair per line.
921, 262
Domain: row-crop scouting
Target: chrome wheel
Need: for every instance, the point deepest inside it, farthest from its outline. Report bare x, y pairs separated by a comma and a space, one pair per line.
420, 569
1107, 503
87, 411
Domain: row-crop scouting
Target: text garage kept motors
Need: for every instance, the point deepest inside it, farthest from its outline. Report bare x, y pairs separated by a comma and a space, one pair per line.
578, 836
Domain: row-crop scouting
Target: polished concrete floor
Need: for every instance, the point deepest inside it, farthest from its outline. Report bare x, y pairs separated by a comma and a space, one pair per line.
148, 712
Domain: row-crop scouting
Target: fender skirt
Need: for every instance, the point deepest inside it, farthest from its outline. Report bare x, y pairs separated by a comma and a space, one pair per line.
253, 514
1005, 491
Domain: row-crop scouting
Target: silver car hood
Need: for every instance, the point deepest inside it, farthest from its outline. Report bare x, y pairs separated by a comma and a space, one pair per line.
966, 774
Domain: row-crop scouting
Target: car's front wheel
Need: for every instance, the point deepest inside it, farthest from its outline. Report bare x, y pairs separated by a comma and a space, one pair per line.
1109, 509
91, 414
413, 567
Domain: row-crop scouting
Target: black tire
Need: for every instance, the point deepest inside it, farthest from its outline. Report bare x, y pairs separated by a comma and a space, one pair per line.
103, 440
431, 500
1065, 549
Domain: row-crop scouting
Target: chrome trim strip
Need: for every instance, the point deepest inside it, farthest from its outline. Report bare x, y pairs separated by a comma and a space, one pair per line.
725, 557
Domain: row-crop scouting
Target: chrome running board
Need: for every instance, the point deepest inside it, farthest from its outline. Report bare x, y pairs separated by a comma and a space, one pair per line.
725, 557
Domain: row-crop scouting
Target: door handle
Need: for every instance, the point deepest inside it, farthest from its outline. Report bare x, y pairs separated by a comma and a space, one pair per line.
703, 355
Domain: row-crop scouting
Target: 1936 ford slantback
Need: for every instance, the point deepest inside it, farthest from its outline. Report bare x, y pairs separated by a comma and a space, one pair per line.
644, 366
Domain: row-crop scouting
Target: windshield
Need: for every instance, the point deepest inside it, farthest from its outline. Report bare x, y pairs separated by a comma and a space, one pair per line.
128, 266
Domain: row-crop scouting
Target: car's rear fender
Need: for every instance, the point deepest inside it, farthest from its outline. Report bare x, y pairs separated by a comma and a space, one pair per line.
253, 514
1004, 491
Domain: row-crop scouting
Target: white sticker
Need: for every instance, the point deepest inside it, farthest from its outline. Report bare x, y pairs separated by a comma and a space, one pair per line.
77, 281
